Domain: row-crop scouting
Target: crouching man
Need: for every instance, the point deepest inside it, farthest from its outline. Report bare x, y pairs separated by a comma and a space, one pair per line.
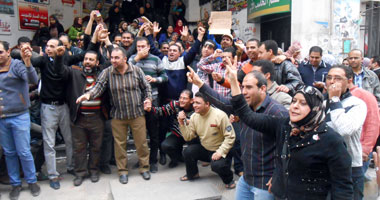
216, 136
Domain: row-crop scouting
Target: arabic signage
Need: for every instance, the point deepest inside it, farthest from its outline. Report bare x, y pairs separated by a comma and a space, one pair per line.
5, 26
6, 7
258, 8
30, 15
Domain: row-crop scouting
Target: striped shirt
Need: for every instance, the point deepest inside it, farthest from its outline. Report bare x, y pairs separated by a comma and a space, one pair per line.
128, 91
208, 66
152, 66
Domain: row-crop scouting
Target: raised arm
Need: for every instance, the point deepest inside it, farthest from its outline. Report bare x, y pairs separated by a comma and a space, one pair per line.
189, 57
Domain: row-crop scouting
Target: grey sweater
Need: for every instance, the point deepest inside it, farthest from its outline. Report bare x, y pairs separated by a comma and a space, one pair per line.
14, 88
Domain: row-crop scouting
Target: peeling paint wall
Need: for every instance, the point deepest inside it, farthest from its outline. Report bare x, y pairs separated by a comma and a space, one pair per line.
326, 23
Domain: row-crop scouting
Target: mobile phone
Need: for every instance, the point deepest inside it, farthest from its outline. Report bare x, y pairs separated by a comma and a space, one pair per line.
98, 14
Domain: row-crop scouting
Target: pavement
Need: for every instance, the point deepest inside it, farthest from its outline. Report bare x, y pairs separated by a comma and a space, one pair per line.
164, 184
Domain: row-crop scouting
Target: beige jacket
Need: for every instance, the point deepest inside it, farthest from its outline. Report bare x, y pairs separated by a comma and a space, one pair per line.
214, 130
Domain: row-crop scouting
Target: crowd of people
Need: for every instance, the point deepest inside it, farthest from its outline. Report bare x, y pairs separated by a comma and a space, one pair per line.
289, 127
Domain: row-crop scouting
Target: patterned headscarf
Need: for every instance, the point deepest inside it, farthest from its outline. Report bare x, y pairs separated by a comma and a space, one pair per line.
316, 116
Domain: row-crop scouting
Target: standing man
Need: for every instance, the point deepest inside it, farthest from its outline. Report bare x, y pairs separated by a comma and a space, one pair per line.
346, 115
363, 77
15, 119
155, 74
285, 73
130, 93
314, 72
216, 136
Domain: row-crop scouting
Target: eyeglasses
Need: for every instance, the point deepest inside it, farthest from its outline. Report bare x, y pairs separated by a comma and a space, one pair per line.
336, 78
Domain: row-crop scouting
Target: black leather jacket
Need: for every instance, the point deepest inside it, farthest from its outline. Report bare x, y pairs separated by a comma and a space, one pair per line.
287, 74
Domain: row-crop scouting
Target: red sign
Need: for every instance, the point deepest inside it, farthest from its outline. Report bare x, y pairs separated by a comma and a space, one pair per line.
30, 15
71, 2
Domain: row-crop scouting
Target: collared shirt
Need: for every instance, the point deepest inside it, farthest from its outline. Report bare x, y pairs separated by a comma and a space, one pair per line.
128, 91
208, 67
359, 78
258, 151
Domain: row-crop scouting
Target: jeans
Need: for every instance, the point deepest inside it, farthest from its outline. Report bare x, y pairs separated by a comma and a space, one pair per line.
53, 116
15, 139
244, 191
358, 182
195, 152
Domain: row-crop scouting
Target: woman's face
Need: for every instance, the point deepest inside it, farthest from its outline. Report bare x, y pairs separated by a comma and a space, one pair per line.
80, 21
142, 10
179, 23
52, 20
147, 5
299, 108
124, 26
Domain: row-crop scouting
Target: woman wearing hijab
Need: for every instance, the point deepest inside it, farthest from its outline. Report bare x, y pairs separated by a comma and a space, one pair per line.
178, 27
312, 161
55, 27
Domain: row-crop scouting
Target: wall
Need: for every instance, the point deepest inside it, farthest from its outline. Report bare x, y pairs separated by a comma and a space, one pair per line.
325, 23
242, 29
55, 7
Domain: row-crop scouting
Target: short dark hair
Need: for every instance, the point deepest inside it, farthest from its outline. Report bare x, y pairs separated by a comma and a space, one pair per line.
142, 39
212, 42
316, 49
201, 95
92, 52
259, 77
189, 92
347, 70
120, 49
128, 32
5, 45
376, 59
270, 45
179, 48
64, 35
162, 44
23, 39
116, 35
253, 40
59, 41
266, 67
231, 50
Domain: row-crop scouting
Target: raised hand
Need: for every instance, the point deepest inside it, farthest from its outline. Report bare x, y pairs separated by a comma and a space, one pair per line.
181, 118
103, 35
26, 54
60, 50
185, 32
193, 77
201, 33
216, 76
156, 27
231, 69
217, 53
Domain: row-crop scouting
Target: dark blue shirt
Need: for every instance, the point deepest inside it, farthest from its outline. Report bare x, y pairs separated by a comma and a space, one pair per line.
309, 76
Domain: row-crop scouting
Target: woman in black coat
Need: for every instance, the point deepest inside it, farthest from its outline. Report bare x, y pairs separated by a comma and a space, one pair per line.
311, 158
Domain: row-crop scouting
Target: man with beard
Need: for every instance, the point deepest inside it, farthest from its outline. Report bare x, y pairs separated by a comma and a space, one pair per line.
130, 93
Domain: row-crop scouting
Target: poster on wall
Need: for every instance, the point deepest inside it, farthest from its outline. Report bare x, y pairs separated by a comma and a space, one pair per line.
5, 26
237, 5
30, 15
6, 7
36, 1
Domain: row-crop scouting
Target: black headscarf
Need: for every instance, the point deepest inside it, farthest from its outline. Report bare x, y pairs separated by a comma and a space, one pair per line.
316, 116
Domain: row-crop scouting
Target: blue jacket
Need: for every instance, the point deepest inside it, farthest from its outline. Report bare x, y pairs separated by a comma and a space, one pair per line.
309, 76
14, 88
